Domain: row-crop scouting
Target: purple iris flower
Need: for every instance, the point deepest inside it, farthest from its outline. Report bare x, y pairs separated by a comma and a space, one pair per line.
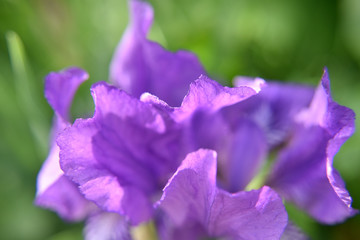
123, 157
168, 144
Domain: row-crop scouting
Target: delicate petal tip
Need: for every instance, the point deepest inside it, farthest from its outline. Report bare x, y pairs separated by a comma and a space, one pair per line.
205, 93
60, 88
157, 103
152, 99
190, 190
255, 83
127, 55
141, 16
109, 99
203, 160
318, 109
338, 120
133, 65
102, 94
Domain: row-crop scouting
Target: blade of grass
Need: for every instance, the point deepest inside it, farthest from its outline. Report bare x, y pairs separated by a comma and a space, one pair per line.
34, 117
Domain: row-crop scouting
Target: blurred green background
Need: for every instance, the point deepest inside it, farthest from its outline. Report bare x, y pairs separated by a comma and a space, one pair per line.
286, 40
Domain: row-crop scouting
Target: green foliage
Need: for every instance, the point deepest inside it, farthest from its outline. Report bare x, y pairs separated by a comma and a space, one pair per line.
280, 39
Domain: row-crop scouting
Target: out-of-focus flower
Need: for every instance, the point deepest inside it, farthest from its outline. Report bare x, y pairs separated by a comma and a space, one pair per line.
54, 190
303, 172
153, 152
240, 124
306, 128
140, 65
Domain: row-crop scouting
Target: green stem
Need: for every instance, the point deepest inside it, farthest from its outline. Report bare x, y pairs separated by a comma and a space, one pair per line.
260, 179
144, 231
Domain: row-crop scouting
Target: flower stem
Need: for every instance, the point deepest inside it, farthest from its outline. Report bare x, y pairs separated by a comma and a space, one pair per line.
144, 231
260, 179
